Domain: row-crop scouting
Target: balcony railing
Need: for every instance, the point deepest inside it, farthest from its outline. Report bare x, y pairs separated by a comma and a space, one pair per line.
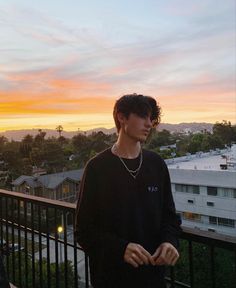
38, 254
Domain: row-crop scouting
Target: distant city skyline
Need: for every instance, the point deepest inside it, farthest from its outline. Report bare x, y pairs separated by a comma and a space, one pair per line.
66, 62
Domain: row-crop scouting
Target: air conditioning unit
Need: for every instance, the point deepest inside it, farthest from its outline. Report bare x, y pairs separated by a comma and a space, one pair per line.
211, 230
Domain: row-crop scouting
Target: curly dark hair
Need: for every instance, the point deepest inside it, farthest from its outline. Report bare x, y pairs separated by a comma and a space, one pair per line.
140, 105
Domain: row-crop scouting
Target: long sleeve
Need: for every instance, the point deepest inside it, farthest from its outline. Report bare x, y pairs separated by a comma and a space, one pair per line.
170, 228
90, 233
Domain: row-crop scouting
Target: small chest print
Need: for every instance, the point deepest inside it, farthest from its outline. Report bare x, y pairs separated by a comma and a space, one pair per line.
152, 189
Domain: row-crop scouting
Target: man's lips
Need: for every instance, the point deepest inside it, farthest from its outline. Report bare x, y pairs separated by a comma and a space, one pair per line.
146, 131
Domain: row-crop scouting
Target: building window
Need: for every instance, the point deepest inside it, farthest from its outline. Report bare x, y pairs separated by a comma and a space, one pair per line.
226, 222
66, 189
222, 221
234, 193
194, 189
213, 220
210, 204
27, 190
191, 216
190, 201
226, 192
212, 191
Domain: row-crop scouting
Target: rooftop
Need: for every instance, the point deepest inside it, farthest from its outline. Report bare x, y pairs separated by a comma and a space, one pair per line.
50, 181
213, 160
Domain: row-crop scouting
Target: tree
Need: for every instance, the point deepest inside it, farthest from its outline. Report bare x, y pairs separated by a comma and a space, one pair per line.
53, 156
80, 142
36, 156
3, 141
160, 138
99, 141
234, 133
39, 138
45, 278
59, 130
216, 142
225, 131
223, 265
13, 163
26, 167
62, 140
26, 145
195, 143
206, 144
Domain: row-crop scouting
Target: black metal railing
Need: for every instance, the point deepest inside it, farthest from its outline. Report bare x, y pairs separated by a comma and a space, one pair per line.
210, 261
38, 242
36, 235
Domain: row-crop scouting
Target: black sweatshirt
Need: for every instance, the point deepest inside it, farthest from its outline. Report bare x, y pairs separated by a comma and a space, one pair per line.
114, 209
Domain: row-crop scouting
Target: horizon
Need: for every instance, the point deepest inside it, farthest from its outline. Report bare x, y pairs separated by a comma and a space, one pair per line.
99, 127
67, 64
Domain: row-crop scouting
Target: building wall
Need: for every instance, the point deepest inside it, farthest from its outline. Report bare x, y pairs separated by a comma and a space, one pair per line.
197, 213
24, 188
67, 191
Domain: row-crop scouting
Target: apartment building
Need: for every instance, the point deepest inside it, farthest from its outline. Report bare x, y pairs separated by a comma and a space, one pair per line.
204, 189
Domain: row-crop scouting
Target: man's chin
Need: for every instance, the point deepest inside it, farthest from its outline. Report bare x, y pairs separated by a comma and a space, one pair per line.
142, 139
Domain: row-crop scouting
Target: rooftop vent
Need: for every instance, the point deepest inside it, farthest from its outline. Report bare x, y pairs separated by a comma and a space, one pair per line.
223, 166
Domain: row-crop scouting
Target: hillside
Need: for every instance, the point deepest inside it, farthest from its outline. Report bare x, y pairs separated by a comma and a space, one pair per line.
17, 135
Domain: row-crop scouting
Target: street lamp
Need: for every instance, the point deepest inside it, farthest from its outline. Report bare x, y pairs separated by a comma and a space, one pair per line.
60, 230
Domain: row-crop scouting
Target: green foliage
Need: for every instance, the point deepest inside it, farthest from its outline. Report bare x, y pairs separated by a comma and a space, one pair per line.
225, 131
36, 156
26, 145
3, 141
86, 147
53, 154
160, 138
26, 166
223, 264
223, 134
27, 276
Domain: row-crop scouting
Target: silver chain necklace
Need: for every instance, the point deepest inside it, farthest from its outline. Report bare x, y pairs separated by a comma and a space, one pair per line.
135, 172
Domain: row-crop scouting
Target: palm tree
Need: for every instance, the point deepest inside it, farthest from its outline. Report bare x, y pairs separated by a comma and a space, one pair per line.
59, 129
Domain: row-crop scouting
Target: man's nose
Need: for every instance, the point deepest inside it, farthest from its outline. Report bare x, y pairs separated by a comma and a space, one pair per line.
148, 122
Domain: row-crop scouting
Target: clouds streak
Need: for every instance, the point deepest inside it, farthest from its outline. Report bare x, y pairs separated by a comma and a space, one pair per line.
181, 52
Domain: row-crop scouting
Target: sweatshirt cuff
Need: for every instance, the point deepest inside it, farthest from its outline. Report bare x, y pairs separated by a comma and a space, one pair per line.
117, 250
172, 240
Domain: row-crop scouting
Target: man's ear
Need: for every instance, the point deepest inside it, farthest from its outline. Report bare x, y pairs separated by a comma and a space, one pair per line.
121, 117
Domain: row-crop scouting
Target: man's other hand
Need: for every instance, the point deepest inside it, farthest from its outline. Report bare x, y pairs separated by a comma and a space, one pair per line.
166, 254
136, 255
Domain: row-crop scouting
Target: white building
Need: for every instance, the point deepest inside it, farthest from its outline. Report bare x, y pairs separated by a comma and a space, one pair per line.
204, 189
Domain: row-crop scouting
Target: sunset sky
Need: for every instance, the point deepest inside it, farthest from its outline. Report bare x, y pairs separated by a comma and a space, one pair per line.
65, 62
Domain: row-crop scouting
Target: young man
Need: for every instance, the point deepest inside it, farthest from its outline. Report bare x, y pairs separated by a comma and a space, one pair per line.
126, 220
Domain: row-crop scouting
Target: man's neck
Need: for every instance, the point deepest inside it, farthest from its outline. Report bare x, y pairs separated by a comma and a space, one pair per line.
127, 147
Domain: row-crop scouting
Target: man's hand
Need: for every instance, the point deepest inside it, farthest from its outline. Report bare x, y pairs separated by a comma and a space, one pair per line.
166, 254
136, 255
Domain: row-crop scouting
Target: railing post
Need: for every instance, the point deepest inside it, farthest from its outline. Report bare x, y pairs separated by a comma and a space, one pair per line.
86, 271
212, 267
48, 249
191, 264
172, 277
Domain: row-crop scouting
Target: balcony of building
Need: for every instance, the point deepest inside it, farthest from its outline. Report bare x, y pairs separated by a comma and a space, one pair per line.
37, 240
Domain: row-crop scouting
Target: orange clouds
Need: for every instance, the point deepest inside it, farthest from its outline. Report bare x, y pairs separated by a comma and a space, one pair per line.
47, 98
51, 103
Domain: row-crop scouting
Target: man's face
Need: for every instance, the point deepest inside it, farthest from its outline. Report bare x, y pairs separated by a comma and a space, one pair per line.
136, 127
